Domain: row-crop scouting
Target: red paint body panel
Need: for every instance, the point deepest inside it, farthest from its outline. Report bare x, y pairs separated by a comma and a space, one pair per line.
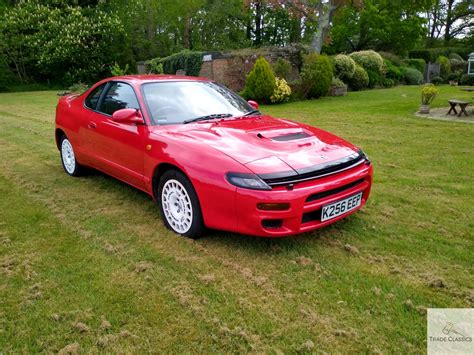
207, 151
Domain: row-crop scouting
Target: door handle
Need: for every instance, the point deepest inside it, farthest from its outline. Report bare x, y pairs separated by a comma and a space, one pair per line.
92, 125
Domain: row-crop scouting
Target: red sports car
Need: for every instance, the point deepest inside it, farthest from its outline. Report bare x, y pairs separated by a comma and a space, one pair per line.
209, 158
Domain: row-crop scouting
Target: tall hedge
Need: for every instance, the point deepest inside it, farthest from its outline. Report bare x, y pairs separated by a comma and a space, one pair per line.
189, 61
260, 83
316, 74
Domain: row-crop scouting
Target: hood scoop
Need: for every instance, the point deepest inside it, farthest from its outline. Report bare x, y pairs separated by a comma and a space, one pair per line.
285, 137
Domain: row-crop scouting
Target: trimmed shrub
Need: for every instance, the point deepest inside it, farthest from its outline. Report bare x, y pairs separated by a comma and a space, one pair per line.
453, 76
282, 91
388, 83
412, 76
467, 80
360, 79
393, 72
260, 83
418, 64
455, 56
437, 80
369, 60
186, 60
282, 68
445, 65
344, 66
316, 74
338, 83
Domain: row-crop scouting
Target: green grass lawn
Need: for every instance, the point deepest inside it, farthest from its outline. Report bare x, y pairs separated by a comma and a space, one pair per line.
87, 262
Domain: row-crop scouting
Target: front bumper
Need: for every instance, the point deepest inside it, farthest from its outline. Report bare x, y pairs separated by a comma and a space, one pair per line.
306, 200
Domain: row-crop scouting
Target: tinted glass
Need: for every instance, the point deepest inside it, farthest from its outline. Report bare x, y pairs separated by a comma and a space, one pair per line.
117, 97
93, 99
174, 102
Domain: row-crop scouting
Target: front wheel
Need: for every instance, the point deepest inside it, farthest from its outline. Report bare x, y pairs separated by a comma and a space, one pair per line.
68, 158
179, 205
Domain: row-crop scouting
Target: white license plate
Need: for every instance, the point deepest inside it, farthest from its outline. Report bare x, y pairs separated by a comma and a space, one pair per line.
340, 207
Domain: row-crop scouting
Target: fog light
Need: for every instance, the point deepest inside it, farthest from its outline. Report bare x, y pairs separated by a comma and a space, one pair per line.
273, 206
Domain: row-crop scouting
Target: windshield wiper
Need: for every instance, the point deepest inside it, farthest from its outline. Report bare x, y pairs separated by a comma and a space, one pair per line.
208, 117
253, 112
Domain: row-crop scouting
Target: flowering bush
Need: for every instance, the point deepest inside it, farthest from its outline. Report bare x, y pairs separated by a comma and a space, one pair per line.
344, 66
412, 76
282, 91
428, 94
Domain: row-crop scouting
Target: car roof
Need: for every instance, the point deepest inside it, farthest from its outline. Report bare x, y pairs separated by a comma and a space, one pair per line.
146, 78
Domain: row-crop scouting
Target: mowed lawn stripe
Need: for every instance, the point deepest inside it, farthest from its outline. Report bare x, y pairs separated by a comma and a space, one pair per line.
265, 297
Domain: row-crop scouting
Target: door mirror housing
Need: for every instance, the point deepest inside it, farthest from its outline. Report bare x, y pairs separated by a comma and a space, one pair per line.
254, 104
128, 116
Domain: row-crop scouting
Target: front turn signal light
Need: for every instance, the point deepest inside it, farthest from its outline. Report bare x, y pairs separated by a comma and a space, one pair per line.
263, 206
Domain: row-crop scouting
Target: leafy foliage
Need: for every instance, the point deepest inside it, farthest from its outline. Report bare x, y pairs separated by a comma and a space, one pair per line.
69, 44
316, 74
412, 76
445, 65
116, 70
417, 63
393, 72
260, 83
467, 80
189, 61
282, 68
282, 91
338, 83
369, 60
360, 79
428, 94
344, 66
155, 66
437, 80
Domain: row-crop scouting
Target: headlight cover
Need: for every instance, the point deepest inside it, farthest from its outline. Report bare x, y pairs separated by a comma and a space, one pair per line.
247, 181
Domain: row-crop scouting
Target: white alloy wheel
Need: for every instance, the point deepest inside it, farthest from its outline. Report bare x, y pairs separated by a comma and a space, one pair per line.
177, 206
68, 157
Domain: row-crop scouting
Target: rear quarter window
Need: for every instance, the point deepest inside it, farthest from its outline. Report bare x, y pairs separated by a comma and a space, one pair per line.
92, 99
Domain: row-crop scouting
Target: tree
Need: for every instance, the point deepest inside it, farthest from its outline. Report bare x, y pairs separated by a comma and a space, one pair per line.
379, 25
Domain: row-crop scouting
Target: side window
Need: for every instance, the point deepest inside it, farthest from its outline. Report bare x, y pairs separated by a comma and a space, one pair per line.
117, 97
92, 100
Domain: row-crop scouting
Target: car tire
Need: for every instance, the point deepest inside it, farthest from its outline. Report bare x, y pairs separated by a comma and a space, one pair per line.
68, 158
179, 205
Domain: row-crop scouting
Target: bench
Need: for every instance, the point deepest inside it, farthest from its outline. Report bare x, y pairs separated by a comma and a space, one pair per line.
462, 105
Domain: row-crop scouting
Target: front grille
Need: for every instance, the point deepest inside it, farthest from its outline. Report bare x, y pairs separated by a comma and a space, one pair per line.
327, 193
314, 172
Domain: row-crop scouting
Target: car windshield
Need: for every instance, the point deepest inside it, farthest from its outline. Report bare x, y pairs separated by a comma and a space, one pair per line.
176, 102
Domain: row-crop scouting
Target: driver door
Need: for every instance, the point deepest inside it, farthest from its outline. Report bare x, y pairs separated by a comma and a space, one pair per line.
118, 147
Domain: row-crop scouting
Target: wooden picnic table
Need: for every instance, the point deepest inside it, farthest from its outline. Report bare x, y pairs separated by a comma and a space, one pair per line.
462, 106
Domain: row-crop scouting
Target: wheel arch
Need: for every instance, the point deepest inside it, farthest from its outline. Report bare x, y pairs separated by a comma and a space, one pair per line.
158, 172
57, 135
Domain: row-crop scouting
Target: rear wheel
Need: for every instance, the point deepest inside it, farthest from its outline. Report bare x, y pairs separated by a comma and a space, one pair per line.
68, 158
179, 205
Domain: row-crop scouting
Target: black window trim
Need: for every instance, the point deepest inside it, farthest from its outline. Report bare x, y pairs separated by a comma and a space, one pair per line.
102, 95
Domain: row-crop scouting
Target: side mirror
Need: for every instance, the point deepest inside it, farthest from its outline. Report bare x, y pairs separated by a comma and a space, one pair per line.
253, 104
128, 116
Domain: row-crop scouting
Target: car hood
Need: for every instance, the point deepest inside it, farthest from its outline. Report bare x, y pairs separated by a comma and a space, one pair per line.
265, 144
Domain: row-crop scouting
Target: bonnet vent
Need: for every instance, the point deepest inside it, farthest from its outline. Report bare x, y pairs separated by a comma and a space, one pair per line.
290, 137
